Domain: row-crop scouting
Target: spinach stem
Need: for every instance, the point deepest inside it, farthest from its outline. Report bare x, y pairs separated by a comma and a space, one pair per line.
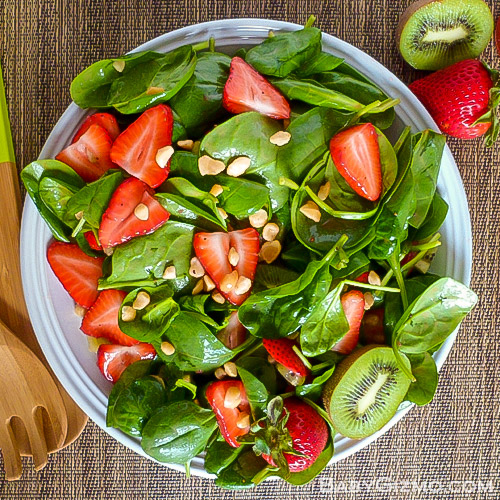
251, 350
378, 288
285, 181
310, 21
211, 44
320, 366
304, 360
271, 34
395, 265
400, 361
402, 138
78, 228
201, 46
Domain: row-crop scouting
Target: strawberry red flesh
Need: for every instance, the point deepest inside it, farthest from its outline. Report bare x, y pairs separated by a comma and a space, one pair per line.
78, 272
282, 352
89, 157
105, 120
227, 418
113, 359
101, 319
353, 304
92, 241
356, 154
372, 327
234, 334
248, 90
120, 222
136, 147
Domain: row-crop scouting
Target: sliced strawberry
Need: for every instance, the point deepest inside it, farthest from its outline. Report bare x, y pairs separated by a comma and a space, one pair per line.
132, 202
113, 359
228, 418
92, 241
372, 327
234, 334
356, 154
101, 319
89, 157
248, 90
353, 303
136, 147
105, 120
78, 272
282, 352
363, 278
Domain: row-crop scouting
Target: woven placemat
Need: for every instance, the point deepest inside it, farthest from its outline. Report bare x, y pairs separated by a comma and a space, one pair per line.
449, 449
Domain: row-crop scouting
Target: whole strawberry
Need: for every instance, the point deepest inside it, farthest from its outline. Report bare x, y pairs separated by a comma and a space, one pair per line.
462, 99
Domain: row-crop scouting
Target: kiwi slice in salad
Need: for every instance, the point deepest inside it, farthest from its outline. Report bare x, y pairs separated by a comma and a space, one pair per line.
365, 391
433, 34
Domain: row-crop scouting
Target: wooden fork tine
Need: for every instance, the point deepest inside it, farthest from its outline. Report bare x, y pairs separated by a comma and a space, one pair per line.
38, 444
11, 457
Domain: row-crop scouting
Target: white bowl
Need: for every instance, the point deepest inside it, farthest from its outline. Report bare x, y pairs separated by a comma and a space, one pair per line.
51, 309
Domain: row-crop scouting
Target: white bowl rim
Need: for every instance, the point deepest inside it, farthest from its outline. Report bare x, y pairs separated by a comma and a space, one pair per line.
34, 232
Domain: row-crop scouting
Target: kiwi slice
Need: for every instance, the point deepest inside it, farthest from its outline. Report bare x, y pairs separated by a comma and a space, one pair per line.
433, 34
365, 391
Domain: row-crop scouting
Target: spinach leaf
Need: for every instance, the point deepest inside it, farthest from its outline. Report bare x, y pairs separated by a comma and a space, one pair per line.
325, 326
239, 474
425, 371
220, 455
31, 176
434, 219
247, 134
271, 276
321, 63
199, 102
177, 432
55, 194
314, 389
285, 52
358, 263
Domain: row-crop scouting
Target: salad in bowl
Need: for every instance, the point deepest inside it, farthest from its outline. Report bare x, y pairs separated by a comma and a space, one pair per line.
249, 247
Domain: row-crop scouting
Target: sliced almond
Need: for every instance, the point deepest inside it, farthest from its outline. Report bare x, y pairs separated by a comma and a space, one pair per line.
238, 166
233, 257
80, 311
163, 156
186, 144
141, 301
155, 90
280, 138
220, 373
128, 313
369, 300
216, 190
243, 420
222, 213
270, 231
167, 348
374, 278
270, 251
198, 288
208, 283
230, 369
232, 399
229, 281
94, 343
218, 297
119, 65
91, 156
209, 166
108, 251
79, 215
324, 191
270, 360
141, 211
243, 285
196, 270
170, 273
423, 265
258, 219
311, 211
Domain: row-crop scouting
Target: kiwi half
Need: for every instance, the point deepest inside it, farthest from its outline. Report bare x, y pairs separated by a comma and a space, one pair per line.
433, 34
365, 391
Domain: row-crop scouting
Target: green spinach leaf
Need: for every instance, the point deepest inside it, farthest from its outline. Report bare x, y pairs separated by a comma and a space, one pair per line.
220, 455
321, 63
425, 371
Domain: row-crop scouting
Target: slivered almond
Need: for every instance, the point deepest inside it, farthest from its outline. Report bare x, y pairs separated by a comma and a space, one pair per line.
128, 313
208, 283
280, 138
167, 348
163, 156
222, 213
243, 420
209, 166
196, 270
324, 191
232, 398
423, 266
270, 231
311, 211
197, 288
155, 90
80, 311
170, 273
220, 373
242, 285
119, 65
216, 190
229, 281
217, 297
108, 251
95, 342
369, 300
230, 369
141, 211
258, 219
186, 144
79, 215
233, 257
141, 301
270, 251
374, 278
238, 166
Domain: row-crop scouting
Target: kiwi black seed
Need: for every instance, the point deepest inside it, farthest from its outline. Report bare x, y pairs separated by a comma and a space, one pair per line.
433, 34
365, 391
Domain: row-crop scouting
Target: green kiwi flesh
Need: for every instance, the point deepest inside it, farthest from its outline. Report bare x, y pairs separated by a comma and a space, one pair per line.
433, 34
365, 391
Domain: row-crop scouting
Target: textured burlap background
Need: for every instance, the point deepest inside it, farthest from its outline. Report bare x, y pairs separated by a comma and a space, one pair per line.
44, 44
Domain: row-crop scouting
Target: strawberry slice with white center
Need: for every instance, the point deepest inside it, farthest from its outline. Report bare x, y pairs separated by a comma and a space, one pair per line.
212, 250
353, 304
132, 211
356, 154
135, 149
113, 359
89, 156
78, 272
105, 120
247, 90
101, 319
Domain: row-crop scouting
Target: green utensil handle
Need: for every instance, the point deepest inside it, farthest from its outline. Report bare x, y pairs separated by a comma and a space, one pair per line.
6, 146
